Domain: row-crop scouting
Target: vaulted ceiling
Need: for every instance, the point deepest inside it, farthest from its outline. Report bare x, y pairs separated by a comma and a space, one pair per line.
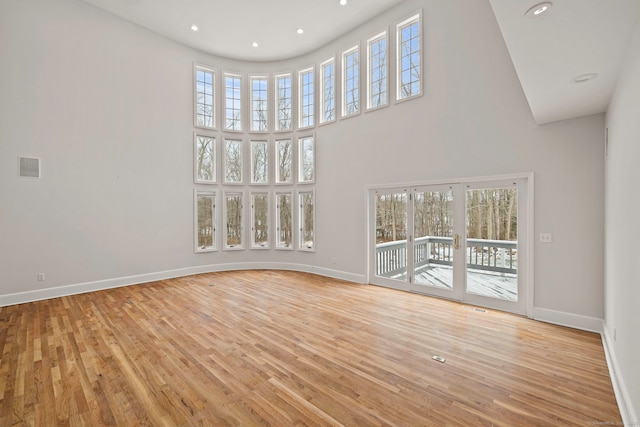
573, 38
229, 27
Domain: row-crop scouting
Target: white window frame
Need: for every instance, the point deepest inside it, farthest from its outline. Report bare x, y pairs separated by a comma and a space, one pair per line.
277, 242
302, 124
255, 142
302, 246
265, 101
301, 159
240, 100
344, 104
196, 195
416, 18
196, 159
278, 179
323, 88
225, 161
196, 93
277, 99
253, 243
383, 35
225, 209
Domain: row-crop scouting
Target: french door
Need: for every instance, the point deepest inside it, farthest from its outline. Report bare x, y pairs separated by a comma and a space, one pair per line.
462, 241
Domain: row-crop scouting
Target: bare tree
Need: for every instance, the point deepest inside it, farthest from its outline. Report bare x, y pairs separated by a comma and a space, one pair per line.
259, 169
285, 158
205, 158
233, 161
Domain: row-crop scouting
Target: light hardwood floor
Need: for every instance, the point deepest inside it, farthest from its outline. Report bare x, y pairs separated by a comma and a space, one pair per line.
285, 348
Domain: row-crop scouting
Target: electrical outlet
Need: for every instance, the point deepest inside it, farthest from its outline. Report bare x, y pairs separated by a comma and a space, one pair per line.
40, 277
546, 237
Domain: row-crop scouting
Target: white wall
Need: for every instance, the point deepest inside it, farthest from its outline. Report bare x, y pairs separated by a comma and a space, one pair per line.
107, 106
622, 286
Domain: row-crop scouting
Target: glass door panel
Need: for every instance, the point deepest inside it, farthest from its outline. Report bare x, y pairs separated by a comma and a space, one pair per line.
391, 260
463, 241
433, 247
492, 242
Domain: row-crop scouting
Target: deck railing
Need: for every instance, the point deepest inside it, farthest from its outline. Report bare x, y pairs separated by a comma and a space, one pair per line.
488, 255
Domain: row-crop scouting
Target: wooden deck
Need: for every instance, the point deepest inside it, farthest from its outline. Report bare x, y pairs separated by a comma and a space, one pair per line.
496, 285
273, 348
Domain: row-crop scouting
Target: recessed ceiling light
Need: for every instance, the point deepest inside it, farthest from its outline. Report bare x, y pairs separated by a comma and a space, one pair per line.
299, 31
194, 27
343, 2
254, 44
538, 10
584, 77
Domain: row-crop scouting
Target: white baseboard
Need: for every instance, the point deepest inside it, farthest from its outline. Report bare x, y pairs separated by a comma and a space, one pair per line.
577, 321
80, 288
625, 405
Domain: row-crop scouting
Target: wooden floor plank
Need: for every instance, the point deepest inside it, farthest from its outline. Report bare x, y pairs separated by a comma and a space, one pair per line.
277, 348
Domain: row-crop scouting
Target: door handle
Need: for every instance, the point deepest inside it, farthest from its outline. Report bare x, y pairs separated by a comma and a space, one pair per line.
456, 241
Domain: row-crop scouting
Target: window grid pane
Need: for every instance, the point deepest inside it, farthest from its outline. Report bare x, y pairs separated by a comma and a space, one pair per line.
284, 161
233, 162
409, 59
284, 103
204, 98
205, 159
233, 103
259, 104
378, 72
205, 221
306, 168
259, 162
260, 220
351, 85
328, 96
306, 220
306, 99
284, 220
233, 220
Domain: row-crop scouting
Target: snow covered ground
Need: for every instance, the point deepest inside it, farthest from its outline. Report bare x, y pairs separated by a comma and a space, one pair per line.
496, 285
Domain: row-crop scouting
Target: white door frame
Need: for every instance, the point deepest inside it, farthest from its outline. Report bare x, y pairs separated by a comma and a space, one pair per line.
525, 262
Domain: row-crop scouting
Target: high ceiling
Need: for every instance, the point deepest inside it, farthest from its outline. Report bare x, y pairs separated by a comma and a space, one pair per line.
229, 27
572, 38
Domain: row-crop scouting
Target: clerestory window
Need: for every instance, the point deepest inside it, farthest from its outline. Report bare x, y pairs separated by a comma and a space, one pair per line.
409, 61
377, 71
351, 82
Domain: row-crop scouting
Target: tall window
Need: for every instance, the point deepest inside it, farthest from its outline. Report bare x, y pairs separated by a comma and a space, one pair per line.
233, 161
306, 219
377, 71
205, 159
205, 230
259, 104
284, 102
259, 162
409, 58
284, 161
306, 98
306, 163
284, 220
205, 83
260, 220
351, 81
328, 91
233, 102
233, 220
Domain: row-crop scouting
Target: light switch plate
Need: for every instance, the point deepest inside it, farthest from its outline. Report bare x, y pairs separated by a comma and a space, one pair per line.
546, 238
